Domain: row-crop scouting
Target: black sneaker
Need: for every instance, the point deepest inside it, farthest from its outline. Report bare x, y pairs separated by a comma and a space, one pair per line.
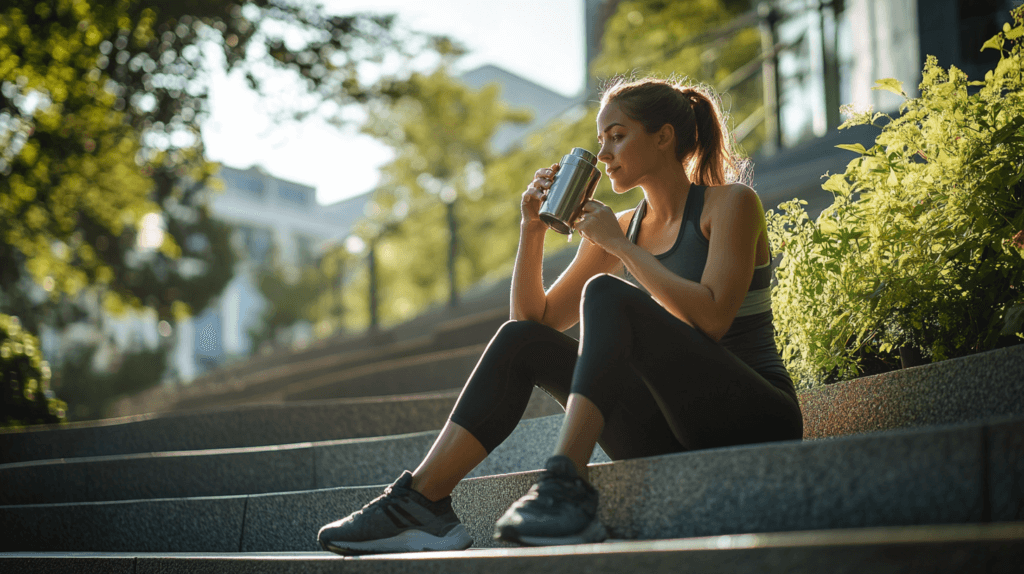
400, 520
560, 509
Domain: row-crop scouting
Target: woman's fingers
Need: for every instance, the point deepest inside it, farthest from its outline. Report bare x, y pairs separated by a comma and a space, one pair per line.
591, 206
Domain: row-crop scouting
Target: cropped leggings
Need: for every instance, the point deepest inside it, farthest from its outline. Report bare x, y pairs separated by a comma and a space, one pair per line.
661, 385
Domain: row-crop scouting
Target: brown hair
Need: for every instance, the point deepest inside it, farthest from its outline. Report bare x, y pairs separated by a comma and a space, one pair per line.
693, 111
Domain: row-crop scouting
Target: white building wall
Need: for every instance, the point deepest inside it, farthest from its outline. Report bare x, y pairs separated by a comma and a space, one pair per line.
885, 44
287, 211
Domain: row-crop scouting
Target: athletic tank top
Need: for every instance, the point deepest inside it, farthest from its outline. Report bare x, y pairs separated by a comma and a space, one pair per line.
751, 337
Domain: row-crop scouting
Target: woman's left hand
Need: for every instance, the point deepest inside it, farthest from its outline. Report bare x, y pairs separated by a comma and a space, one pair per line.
599, 225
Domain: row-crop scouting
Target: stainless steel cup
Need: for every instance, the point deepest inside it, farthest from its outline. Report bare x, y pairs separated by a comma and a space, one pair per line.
573, 185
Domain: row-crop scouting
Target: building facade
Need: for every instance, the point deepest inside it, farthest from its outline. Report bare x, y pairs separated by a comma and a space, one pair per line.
274, 222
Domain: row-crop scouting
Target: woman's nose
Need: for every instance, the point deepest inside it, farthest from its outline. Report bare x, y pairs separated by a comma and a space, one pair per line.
603, 155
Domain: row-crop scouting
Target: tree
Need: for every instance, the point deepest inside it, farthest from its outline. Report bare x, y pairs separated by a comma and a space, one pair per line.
441, 132
100, 113
101, 107
650, 37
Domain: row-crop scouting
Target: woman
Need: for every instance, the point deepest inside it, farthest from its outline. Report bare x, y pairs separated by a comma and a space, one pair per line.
687, 362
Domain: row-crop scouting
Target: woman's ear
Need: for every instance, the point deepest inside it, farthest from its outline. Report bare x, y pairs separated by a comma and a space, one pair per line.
667, 136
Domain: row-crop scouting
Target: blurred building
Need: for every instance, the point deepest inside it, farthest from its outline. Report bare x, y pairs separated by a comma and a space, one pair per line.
274, 221
520, 93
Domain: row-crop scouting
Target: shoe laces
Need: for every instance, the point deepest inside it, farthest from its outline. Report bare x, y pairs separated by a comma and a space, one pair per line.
381, 502
558, 486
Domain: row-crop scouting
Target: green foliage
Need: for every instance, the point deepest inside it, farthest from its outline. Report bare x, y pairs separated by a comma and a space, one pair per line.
100, 110
440, 131
646, 37
923, 245
25, 395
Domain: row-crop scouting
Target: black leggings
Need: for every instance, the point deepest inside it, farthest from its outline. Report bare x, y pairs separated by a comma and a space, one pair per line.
661, 385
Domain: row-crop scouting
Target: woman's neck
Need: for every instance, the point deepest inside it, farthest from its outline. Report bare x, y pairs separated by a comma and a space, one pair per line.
666, 194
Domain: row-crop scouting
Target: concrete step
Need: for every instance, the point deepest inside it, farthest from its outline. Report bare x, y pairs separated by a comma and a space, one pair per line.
248, 383
243, 426
972, 473
970, 388
243, 388
258, 470
953, 549
413, 374
924, 395
436, 361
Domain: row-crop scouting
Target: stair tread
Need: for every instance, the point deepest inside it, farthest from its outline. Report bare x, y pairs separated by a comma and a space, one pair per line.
996, 547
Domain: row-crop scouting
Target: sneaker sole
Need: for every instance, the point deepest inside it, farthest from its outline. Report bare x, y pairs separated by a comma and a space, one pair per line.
594, 532
409, 541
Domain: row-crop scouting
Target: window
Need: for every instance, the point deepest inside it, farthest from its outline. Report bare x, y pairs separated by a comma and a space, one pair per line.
295, 194
256, 242
243, 181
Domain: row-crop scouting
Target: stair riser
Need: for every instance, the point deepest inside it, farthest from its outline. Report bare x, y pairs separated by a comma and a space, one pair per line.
301, 467
439, 374
922, 477
966, 389
241, 427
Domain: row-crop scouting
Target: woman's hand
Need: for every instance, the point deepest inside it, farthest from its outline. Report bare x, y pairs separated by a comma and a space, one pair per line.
600, 226
534, 195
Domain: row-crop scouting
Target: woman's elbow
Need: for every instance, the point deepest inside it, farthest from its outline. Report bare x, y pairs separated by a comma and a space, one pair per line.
716, 327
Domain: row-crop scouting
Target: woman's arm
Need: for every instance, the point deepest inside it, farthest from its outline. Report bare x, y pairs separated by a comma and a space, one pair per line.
559, 306
712, 304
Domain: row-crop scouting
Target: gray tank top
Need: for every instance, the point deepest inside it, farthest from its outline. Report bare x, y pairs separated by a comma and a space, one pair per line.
751, 337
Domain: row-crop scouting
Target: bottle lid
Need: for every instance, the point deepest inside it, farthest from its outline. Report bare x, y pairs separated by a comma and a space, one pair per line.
584, 155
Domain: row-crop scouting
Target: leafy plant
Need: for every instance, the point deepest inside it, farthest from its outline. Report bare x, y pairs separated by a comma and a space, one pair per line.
25, 395
923, 247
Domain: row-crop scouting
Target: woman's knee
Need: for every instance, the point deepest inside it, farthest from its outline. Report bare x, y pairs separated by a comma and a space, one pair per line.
519, 332
605, 288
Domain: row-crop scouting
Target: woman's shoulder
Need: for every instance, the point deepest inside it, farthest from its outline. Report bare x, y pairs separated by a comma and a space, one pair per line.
731, 196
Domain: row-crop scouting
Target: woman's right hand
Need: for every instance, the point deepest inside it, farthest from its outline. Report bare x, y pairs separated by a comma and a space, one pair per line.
534, 195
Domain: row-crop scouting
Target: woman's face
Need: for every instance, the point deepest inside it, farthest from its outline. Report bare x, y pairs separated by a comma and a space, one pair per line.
627, 150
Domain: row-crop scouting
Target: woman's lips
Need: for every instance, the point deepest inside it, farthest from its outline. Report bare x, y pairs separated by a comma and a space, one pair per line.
612, 170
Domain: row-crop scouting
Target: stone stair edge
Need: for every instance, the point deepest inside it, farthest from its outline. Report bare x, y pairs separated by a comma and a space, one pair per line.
860, 405
294, 467
296, 388
826, 399
1017, 352
937, 533
767, 487
269, 376
265, 373
214, 410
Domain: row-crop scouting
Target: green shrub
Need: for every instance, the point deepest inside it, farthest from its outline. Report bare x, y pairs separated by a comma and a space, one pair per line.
923, 247
26, 396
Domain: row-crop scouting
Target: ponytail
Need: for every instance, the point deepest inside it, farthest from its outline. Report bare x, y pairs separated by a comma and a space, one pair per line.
693, 111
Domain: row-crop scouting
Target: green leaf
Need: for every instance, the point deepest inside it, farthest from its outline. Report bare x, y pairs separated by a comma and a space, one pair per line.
994, 43
853, 147
890, 85
1008, 130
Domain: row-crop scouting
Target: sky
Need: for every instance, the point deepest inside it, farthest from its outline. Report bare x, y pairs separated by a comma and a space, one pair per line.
541, 40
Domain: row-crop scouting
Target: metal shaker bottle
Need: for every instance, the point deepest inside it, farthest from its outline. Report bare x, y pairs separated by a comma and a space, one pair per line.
573, 185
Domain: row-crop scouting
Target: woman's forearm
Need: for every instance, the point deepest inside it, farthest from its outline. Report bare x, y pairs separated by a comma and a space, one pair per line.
528, 300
